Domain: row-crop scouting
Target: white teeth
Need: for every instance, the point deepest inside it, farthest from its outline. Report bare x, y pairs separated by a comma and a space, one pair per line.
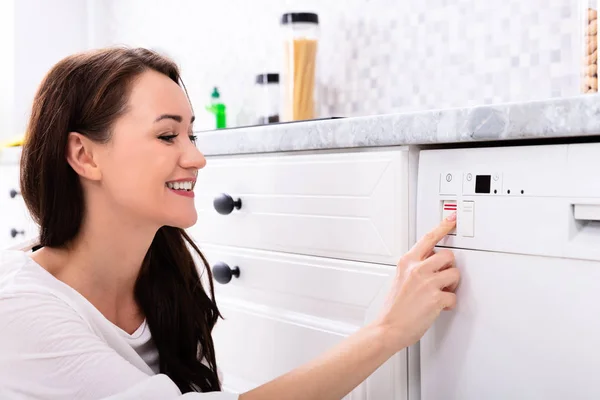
180, 185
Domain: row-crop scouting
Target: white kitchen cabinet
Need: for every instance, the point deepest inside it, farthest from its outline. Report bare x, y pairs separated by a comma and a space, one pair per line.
16, 224
316, 241
285, 310
347, 205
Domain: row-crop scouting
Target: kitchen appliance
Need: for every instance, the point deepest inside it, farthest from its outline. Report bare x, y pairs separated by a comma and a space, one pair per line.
527, 243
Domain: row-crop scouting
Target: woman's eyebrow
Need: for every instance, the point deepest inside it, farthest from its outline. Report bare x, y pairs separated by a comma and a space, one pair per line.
174, 117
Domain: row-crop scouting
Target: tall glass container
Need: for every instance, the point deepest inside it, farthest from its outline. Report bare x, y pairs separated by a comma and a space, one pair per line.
268, 98
301, 34
589, 34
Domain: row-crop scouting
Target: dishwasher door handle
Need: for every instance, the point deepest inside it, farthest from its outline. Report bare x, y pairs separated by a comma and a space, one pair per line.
586, 212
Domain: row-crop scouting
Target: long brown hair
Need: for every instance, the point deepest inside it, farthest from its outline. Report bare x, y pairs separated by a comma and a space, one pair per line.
86, 93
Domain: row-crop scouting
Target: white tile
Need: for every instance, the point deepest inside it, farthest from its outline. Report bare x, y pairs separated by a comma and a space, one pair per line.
375, 53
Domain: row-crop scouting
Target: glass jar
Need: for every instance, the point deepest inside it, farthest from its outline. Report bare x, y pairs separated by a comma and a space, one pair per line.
301, 32
589, 33
268, 94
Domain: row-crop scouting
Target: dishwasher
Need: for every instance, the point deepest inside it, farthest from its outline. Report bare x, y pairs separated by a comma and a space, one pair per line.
527, 243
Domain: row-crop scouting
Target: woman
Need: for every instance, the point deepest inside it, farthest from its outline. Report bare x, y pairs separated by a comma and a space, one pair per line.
112, 303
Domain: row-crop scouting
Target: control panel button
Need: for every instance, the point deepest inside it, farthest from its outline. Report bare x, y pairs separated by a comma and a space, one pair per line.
497, 184
466, 222
450, 182
449, 207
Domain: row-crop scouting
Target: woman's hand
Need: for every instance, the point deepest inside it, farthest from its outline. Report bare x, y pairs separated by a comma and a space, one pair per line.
424, 286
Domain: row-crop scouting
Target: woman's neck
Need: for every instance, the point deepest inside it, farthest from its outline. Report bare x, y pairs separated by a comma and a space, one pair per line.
103, 263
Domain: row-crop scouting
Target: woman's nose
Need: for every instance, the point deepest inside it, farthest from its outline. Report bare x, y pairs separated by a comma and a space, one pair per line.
192, 157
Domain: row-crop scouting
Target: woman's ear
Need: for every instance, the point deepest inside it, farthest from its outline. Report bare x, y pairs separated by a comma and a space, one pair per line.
80, 155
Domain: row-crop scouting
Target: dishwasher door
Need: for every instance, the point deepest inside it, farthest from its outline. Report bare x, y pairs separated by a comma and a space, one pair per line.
527, 243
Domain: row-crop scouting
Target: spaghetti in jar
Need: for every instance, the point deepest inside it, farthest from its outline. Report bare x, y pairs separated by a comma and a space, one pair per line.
299, 66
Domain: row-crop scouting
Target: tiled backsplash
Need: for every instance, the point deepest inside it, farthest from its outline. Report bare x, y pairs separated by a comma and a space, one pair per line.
375, 56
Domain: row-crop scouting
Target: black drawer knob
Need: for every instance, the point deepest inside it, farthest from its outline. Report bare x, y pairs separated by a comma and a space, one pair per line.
14, 232
224, 204
14, 193
222, 273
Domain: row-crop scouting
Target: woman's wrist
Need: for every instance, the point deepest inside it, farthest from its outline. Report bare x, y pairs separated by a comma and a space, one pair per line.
386, 337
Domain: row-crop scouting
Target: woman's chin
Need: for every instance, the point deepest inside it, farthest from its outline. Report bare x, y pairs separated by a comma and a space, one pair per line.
184, 221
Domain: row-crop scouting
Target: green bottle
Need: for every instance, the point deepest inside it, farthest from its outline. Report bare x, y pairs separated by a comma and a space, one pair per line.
218, 109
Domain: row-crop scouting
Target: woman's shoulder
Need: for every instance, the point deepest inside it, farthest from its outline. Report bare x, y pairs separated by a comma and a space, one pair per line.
18, 272
11, 258
28, 302
25, 285
13, 265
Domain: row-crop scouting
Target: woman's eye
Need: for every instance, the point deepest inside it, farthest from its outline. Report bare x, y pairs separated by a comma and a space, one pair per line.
167, 138
193, 138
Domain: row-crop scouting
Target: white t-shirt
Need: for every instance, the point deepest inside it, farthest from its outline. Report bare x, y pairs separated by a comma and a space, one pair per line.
54, 344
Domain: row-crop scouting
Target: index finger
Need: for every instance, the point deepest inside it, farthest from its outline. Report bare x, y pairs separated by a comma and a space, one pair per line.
426, 244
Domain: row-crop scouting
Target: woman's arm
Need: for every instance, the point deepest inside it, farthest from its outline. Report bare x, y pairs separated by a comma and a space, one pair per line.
424, 286
332, 375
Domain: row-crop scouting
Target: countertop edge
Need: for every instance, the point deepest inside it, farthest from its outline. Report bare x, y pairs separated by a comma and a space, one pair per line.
552, 118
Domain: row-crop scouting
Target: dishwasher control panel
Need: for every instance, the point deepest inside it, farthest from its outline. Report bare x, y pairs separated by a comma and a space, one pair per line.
526, 199
471, 183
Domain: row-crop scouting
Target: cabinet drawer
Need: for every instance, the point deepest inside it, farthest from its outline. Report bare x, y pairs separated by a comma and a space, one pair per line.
284, 310
351, 205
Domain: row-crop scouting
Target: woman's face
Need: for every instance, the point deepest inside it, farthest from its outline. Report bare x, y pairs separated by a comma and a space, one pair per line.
150, 164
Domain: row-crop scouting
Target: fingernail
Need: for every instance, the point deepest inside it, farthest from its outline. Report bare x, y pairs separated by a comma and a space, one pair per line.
451, 217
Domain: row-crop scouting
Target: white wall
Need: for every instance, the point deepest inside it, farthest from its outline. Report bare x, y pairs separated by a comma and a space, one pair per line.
45, 32
7, 49
375, 56
34, 35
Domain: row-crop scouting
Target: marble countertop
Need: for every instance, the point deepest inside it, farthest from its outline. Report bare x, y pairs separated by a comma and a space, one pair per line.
553, 118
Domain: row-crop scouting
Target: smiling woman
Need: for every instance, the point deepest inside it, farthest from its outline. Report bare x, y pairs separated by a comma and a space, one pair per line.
111, 304
107, 171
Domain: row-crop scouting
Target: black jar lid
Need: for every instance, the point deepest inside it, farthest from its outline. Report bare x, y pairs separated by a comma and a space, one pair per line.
310, 18
267, 78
